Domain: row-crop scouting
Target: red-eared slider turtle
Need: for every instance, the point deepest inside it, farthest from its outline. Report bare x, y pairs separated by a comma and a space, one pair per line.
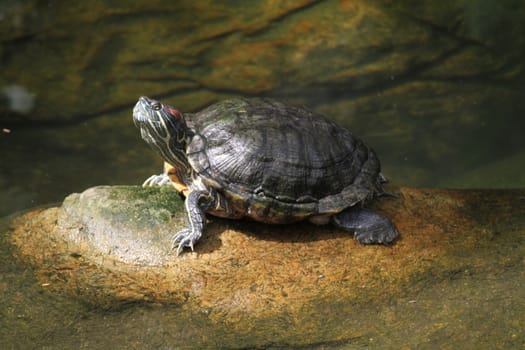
264, 160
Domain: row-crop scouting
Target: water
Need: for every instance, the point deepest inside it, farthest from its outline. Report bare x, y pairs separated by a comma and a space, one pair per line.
437, 91
442, 109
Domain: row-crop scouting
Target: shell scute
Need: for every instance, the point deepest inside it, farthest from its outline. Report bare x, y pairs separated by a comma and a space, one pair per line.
279, 161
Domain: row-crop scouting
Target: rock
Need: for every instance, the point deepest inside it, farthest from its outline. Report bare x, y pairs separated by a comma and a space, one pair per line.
133, 225
110, 246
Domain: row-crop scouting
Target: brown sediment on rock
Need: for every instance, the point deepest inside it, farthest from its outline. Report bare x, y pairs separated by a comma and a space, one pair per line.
243, 268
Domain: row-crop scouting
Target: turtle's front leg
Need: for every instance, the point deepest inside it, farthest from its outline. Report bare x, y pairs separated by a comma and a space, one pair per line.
157, 180
196, 204
161, 179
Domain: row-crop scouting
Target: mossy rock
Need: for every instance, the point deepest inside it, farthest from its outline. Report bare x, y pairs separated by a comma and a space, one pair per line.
128, 223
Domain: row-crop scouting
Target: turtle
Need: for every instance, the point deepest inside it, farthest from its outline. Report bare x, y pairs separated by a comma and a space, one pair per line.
265, 160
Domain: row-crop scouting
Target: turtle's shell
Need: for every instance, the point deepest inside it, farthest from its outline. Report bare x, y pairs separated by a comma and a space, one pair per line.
278, 163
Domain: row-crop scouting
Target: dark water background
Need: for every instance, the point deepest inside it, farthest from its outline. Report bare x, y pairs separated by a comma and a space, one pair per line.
438, 90
440, 99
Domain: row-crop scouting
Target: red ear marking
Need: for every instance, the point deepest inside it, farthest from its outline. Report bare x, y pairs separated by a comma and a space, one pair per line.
175, 113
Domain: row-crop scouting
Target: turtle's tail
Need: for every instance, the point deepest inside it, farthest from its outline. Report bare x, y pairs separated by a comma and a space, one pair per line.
381, 179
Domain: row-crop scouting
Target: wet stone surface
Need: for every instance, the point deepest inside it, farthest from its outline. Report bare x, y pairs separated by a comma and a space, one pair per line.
298, 283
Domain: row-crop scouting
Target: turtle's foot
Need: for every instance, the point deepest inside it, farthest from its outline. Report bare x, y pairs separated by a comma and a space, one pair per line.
185, 238
157, 180
368, 227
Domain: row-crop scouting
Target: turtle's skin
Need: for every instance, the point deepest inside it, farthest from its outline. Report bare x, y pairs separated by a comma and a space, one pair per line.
264, 160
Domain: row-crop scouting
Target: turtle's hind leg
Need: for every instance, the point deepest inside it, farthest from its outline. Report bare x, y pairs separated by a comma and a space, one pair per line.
369, 227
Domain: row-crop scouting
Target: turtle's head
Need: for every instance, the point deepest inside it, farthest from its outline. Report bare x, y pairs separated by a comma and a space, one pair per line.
163, 128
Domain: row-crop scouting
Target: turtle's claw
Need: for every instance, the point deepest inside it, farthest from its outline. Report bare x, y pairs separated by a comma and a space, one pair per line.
157, 180
368, 227
184, 238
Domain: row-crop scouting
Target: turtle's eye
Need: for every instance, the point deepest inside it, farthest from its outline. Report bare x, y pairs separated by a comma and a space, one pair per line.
156, 106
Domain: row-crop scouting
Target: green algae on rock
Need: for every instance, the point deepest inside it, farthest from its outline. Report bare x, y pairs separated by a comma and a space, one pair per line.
111, 220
